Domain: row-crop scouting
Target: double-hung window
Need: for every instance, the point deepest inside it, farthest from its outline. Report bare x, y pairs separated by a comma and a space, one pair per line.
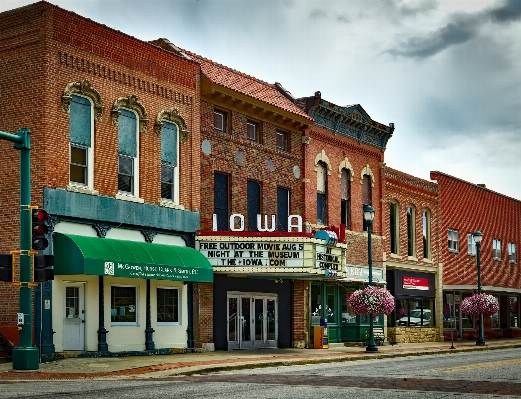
167, 306
321, 193
123, 305
128, 170
81, 140
411, 236
253, 131
511, 252
220, 120
471, 244
345, 201
496, 249
394, 228
282, 140
426, 234
169, 162
453, 240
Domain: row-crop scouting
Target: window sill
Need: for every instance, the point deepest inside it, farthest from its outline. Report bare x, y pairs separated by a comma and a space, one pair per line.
473, 255
170, 204
395, 256
512, 261
425, 260
412, 258
81, 189
129, 197
497, 259
163, 323
453, 251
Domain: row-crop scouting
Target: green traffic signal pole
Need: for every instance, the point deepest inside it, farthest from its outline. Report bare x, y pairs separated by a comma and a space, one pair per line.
25, 355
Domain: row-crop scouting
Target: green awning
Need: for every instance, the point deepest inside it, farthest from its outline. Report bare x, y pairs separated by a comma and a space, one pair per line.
75, 254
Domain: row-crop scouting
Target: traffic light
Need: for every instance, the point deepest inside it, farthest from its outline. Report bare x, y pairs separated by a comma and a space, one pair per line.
6, 268
39, 229
43, 268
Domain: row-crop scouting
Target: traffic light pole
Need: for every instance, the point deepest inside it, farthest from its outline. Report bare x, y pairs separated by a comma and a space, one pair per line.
25, 355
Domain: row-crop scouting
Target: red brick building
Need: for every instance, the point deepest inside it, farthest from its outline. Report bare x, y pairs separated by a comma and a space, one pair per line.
413, 261
343, 154
466, 208
115, 137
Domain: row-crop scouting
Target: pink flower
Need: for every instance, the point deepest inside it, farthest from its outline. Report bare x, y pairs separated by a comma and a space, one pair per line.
371, 300
476, 304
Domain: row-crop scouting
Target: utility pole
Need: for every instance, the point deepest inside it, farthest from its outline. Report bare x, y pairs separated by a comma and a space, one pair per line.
25, 355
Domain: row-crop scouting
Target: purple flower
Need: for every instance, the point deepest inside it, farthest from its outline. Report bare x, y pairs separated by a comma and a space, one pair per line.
476, 304
371, 300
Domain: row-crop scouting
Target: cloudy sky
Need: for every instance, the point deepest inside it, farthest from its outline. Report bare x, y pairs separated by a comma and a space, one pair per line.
447, 73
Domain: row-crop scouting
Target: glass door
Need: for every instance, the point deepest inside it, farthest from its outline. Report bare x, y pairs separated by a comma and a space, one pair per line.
265, 322
239, 322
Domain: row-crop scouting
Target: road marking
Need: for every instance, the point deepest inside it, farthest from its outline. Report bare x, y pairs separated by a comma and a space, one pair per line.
478, 366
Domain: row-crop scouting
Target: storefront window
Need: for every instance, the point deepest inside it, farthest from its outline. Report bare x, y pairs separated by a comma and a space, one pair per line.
315, 305
330, 304
414, 312
348, 316
514, 311
494, 319
123, 305
467, 321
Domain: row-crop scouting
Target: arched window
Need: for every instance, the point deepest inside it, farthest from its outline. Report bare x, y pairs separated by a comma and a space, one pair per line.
321, 193
366, 195
345, 205
411, 237
426, 222
394, 227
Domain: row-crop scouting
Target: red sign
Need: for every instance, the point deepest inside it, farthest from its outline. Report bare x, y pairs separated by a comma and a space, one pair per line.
415, 283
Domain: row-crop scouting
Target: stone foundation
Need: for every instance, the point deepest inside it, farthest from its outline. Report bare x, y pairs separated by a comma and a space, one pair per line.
401, 335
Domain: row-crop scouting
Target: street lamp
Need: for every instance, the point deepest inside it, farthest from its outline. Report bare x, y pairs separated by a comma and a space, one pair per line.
477, 239
369, 216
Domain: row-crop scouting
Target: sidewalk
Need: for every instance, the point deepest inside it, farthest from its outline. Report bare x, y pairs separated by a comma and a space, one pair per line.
156, 366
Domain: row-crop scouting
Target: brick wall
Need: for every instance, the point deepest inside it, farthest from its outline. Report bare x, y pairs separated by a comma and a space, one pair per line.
467, 207
222, 159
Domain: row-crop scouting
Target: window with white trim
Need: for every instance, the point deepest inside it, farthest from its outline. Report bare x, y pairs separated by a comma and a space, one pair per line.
169, 162
453, 240
128, 149
496, 249
471, 244
511, 252
168, 306
123, 305
81, 129
220, 120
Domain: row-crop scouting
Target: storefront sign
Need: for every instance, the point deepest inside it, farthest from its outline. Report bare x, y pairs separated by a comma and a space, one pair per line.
415, 283
263, 225
361, 273
329, 258
257, 254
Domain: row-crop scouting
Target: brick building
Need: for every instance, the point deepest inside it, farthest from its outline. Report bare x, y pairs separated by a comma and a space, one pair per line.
115, 137
413, 261
343, 155
465, 208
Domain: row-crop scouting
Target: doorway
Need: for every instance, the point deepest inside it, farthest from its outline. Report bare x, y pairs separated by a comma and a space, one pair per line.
252, 321
74, 318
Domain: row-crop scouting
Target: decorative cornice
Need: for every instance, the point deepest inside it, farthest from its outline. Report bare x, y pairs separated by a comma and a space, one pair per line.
351, 122
367, 171
101, 229
171, 115
149, 234
130, 102
322, 157
84, 88
345, 164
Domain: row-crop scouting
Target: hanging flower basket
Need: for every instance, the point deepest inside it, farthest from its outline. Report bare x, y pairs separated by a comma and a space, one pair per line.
476, 304
371, 300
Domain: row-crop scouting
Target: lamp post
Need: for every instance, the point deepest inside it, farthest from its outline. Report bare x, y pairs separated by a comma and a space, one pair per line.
477, 239
369, 216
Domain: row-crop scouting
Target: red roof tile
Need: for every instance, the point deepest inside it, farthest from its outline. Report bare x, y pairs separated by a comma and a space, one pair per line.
245, 84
